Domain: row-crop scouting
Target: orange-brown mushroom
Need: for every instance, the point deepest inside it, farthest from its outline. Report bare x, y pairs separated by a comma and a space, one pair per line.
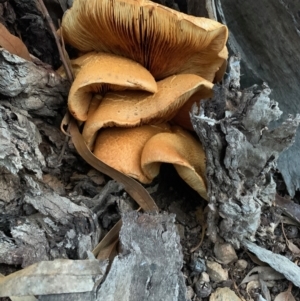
102, 72
134, 108
139, 152
163, 40
182, 118
76, 64
121, 148
182, 150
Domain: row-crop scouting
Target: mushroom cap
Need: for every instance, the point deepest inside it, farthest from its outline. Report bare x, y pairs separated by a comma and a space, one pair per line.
182, 150
121, 148
163, 40
183, 118
76, 64
105, 71
135, 108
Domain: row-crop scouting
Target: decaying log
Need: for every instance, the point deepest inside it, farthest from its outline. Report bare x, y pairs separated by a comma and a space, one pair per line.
149, 266
267, 37
241, 154
57, 228
25, 19
32, 86
36, 221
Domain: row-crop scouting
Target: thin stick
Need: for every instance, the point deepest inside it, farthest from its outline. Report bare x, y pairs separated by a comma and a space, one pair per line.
63, 60
60, 50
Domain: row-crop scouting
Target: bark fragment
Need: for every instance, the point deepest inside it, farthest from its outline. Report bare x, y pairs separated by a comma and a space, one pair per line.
33, 87
241, 154
150, 263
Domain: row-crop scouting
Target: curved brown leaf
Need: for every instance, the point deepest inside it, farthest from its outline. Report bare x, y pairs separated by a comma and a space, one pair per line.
13, 44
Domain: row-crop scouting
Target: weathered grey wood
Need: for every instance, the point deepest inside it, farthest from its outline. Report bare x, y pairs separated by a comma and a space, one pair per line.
278, 262
34, 88
58, 229
240, 152
268, 38
149, 267
49, 232
59, 276
89, 296
19, 147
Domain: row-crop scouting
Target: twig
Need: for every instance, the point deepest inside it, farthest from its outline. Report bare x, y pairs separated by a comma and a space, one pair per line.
63, 60
203, 229
60, 50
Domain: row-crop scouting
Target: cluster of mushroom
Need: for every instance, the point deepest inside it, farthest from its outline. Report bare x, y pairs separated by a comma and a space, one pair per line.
143, 67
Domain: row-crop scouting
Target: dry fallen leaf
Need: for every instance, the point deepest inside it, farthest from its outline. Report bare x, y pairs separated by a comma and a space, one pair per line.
264, 289
263, 272
252, 285
256, 260
47, 277
13, 44
285, 296
292, 247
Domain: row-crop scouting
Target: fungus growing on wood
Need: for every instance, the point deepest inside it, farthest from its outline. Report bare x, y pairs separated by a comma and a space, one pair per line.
153, 64
105, 72
164, 41
135, 108
182, 150
76, 64
121, 148
139, 152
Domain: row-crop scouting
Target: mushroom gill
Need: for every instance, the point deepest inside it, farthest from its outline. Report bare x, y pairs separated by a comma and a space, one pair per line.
104, 72
164, 41
135, 108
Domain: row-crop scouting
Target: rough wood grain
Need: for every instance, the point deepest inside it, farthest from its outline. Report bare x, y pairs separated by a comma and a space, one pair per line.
241, 153
267, 37
149, 267
36, 222
33, 87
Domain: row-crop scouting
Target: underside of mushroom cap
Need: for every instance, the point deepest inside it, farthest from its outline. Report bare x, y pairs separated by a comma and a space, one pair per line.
163, 40
182, 150
105, 72
135, 108
122, 148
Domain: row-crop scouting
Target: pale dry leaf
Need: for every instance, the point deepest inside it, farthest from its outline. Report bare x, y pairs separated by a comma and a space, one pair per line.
262, 272
264, 289
13, 44
252, 285
292, 247
47, 277
256, 260
287, 268
285, 296
287, 220
23, 298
